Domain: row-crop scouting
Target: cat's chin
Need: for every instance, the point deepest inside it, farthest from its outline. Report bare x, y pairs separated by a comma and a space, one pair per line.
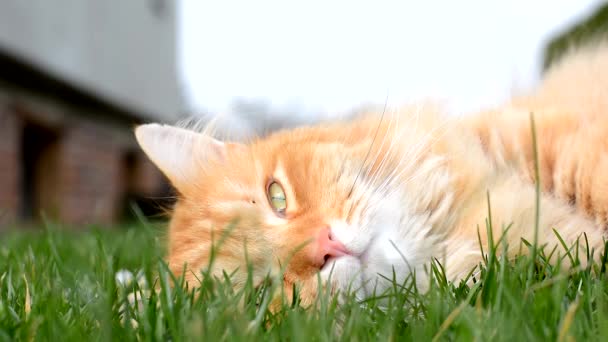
368, 274
344, 274
354, 275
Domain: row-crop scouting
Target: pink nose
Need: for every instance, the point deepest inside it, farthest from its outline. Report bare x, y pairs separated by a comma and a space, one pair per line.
327, 247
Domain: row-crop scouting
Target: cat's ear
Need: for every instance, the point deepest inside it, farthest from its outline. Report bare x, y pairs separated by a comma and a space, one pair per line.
178, 152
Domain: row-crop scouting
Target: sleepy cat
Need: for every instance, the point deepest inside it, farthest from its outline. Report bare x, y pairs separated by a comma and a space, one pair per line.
388, 191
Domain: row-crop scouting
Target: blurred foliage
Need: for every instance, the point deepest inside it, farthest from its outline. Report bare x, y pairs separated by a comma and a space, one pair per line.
590, 29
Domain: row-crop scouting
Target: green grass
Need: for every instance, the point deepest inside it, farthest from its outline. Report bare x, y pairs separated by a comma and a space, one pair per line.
61, 286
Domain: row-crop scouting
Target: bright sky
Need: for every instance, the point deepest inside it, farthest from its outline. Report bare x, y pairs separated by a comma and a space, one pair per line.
334, 55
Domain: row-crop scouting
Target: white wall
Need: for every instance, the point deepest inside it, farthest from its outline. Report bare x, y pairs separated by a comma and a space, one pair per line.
122, 51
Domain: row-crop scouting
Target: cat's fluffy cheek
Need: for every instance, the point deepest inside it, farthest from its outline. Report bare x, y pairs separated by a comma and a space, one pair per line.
384, 263
354, 238
381, 215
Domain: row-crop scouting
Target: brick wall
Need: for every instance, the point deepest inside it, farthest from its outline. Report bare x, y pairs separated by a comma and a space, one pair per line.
143, 177
95, 175
82, 169
91, 179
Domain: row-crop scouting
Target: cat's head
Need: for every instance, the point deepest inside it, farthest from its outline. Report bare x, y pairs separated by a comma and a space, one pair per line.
314, 200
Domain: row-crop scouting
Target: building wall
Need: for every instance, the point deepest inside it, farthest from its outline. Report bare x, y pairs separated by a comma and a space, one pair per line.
122, 51
75, 77
84, 173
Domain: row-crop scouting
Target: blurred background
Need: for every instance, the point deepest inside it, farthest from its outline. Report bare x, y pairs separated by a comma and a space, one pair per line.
77, 75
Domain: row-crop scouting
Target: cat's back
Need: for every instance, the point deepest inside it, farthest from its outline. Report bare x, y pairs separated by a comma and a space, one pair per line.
570, 108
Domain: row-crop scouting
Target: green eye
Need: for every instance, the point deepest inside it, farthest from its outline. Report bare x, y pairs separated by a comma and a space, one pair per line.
276, 196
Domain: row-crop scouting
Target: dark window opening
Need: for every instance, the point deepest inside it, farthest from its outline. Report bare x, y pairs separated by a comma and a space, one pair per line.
38, 165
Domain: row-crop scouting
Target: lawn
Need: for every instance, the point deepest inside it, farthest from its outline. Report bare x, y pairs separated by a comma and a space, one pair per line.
62, 286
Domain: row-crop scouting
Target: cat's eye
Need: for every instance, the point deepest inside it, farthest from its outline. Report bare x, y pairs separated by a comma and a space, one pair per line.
276, 197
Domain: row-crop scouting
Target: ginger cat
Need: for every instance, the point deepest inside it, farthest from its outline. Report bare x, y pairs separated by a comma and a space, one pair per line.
389, 191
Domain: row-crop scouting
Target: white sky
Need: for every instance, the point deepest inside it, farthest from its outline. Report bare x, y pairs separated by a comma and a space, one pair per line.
333, 55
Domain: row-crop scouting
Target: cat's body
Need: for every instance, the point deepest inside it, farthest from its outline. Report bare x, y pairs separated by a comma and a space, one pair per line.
571, 111
390, 191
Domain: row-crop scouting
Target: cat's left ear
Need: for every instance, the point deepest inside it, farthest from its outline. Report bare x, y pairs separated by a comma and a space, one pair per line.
179, 153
